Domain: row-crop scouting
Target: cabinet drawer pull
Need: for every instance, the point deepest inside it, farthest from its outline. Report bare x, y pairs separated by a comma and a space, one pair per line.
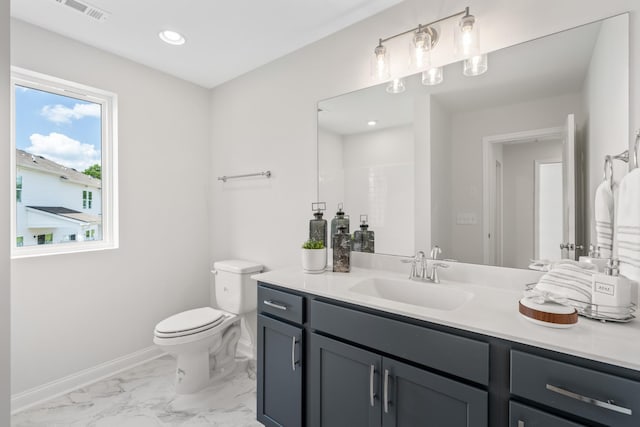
386, 391
371, 394
293, 354
275, 305
520, 423
607, 405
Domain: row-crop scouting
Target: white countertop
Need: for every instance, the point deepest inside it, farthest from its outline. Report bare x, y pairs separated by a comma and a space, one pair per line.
493, 311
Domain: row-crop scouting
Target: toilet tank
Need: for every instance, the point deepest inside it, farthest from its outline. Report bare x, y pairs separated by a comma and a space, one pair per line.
234, 289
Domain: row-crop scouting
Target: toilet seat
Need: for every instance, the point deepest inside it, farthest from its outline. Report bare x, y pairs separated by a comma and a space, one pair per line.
189, 322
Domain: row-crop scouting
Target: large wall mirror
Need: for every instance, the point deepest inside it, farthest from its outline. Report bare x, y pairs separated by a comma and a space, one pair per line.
495, 169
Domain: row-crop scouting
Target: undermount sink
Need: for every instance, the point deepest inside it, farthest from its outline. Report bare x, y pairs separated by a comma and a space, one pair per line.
421, 294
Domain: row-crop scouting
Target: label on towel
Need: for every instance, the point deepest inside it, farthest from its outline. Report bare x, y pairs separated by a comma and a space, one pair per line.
605, 288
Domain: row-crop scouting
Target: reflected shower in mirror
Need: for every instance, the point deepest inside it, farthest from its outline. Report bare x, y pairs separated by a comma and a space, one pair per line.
497, 169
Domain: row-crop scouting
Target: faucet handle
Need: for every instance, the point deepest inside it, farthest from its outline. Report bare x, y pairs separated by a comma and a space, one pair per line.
435, 251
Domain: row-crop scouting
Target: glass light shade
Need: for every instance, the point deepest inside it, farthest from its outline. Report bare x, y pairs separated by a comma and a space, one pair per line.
475, 65
420, 50
433, 76
396, 86
380, 63
467, 37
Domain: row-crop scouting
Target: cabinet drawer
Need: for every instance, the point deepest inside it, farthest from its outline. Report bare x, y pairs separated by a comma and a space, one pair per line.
523, 416
463, 357
281, 304
587, 393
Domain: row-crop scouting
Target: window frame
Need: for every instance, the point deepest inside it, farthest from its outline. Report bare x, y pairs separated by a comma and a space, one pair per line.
109, 166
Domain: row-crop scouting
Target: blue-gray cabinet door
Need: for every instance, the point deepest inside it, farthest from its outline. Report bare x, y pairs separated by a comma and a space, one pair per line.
415, 397
279, 373
345, 385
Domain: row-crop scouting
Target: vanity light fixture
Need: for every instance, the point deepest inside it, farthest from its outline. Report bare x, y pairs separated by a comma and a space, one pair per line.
425, 38
433, 76
172, 37
396, 86
475, 65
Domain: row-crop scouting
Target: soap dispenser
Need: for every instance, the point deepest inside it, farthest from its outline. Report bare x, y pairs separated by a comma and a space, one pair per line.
610, 291
339, 220
364, 239
342, 251
317, 225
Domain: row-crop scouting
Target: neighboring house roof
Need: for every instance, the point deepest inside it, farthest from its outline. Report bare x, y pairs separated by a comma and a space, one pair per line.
68, 213
31, 161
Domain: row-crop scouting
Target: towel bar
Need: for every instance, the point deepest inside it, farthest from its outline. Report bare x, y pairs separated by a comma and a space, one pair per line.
225, 177
624, 156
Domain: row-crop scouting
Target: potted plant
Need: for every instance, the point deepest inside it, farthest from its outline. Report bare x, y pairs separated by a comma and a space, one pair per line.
314, 256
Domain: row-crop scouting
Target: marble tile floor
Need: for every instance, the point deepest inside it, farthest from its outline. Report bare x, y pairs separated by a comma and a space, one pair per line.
144, 397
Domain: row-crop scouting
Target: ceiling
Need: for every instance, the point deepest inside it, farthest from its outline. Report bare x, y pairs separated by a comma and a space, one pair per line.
533, 70
225, 38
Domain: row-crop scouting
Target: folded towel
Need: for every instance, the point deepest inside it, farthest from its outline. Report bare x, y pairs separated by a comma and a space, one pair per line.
570, 279
628, 225
604, 216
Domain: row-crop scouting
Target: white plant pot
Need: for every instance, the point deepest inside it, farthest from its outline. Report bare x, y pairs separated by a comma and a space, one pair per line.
314, 260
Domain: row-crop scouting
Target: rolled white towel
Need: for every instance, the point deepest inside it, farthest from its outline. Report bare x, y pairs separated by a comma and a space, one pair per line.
604, 217
570, 279
628, 225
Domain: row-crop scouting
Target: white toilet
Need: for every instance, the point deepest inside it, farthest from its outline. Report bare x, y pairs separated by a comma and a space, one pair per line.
204, 340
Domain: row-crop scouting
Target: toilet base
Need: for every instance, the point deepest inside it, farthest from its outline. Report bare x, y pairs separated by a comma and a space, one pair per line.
196, 370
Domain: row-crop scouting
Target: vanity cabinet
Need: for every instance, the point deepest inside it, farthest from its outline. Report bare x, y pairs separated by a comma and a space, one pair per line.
323, 362
579, 391
280, 361
355, 387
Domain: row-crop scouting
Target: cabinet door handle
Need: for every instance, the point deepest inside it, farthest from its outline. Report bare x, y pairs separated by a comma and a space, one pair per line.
520, 423
275, 305
372, 396
293, 353
607, 405
386, 391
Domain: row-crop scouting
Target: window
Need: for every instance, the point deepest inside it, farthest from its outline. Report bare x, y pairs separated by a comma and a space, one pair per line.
18, 188
64, 138
86, 199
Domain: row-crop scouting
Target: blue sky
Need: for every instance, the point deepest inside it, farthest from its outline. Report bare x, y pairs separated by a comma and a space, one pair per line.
63, 129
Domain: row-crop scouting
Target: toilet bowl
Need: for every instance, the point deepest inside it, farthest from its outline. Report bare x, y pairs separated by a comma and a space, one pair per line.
204, 340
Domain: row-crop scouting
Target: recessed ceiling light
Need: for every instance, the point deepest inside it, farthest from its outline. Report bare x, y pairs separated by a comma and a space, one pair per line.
372, 123
171, 37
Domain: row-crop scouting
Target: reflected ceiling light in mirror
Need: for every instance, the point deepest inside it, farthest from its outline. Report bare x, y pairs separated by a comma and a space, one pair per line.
475, 65
466, 36
396, 86
433, 76
171, 37
372, 123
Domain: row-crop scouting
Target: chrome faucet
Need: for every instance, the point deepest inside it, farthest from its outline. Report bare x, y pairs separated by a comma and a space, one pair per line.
419, 266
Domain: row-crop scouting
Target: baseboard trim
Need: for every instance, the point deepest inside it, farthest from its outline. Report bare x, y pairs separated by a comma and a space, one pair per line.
28, 398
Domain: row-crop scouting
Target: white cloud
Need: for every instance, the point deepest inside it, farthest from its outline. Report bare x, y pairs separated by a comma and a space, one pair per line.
60, 114
66, 151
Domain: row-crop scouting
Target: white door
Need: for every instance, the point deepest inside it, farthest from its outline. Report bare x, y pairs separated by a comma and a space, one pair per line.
568, 244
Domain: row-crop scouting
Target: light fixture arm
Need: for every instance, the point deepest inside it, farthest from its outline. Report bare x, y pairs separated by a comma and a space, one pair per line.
425, 26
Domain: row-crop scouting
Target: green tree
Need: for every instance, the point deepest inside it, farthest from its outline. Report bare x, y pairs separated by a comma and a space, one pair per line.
94, 171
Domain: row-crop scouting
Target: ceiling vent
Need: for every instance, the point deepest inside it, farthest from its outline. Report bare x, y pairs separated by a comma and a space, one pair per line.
86, 9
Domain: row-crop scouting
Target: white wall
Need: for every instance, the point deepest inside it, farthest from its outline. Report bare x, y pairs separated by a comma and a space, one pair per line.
468, 129
440, 167
518, 186
72, 312
379, 180
5, 154
267, 117
606, 101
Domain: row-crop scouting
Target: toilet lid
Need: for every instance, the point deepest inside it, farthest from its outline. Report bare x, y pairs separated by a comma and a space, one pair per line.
190, 321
